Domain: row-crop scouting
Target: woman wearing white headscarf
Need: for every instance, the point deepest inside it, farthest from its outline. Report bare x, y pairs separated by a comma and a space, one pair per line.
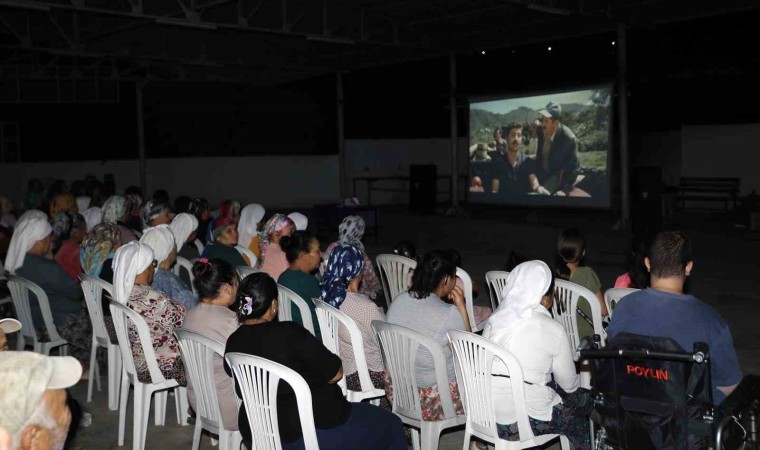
301, 221
93, 216
350, 232
161, 240
133, 268
116, 211
28, 257
248, 227
522, 324
184, 226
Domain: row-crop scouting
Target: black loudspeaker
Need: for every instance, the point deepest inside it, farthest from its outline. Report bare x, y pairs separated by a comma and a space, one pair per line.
646, 201
423, 184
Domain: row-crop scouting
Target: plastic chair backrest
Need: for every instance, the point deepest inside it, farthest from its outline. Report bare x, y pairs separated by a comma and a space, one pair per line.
199, 245
198, 353
467, 283
394, 274
330, 321
474, 358
93, 290
244, 271
284, 299
252, 259
187, 265
612, 297
566, 295
399, 347
496, 280
20, 288
257, 380
124, 319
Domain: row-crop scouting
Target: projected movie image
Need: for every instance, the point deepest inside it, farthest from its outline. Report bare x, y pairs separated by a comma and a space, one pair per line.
548, 149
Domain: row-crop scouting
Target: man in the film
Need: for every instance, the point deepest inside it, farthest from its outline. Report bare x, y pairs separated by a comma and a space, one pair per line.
510, 166
556, 168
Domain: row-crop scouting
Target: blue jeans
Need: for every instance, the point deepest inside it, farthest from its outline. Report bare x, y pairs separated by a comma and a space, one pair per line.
367, 427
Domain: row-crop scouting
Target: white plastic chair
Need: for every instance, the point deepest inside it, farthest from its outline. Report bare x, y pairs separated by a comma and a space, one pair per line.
187, 265
394, 274
244, 271
123, 318
474, 357
93, 290
199, 245
469, 304
20, 289
566, 295
252, 259
258, 379
400, 346
284, 299
496, 280
198, 353
330, 321
614, 295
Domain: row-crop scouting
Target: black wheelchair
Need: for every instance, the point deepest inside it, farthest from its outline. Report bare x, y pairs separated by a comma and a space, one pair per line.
651, 394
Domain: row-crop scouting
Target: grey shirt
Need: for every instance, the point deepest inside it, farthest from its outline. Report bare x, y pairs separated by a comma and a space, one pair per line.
64, 294
432, 317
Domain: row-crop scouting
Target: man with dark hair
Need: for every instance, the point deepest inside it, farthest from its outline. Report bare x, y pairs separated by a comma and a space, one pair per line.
509, 166
556, 168
664, 310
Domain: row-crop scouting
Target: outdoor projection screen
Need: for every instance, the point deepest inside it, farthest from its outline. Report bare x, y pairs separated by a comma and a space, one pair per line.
551, 149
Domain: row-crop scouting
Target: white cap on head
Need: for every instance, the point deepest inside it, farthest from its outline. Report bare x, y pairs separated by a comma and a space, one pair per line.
130, 260
161, 239
28, 231
250, 216
182, 227
83, 202
25, 378
9, 325
301, 221
92, 216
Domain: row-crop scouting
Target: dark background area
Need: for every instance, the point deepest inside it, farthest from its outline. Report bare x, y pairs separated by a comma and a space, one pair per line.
701, 71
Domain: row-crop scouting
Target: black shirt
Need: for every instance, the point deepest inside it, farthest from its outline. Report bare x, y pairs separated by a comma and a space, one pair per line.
291, 345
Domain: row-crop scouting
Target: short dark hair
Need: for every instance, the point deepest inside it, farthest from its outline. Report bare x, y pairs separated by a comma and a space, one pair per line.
511, 127
295, 244
261, 289
434, 267
182, 204
211, 275
669, 254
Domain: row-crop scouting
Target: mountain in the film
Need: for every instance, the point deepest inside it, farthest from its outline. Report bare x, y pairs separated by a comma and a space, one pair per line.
522, 114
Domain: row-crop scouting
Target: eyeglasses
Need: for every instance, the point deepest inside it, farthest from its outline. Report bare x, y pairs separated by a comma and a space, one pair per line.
155, 263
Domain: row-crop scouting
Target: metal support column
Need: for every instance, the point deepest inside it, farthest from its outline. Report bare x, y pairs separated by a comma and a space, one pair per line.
622, 85
139, 85
454, 135
341, 139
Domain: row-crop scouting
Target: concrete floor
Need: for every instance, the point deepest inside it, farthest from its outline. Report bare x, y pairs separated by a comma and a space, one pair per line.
725, 256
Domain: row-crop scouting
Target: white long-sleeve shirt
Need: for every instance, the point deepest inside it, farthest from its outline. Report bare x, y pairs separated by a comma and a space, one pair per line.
541, 345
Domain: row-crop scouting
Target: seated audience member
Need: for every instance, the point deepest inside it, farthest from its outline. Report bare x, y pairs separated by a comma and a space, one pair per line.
481, 313
351, 231
155, 213
35, 195
162, 196
28, 257
224, 240
225, 214
92, 217
340, 288
200, 209
514, 259
663, 310
116, 211
217, 285
637, 276
97, 250
68, 232
185, 229
133, 268
161, 240
182, 204
63, 203
523, 325
303, 254
83, 203
250, 222
422, 309
7, 219
272, 259
133, 195
33, 400
339, 424
571, 249
301, 222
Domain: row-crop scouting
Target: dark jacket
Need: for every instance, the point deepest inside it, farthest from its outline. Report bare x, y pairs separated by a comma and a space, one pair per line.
563, 159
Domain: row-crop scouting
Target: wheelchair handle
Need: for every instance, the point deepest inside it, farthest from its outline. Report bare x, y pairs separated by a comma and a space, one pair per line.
698, 356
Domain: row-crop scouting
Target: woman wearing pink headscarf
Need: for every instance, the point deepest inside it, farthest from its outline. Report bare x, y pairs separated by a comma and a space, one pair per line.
273, 260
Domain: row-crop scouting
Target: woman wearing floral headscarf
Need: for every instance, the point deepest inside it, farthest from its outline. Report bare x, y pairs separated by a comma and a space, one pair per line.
351, 231
116, 211
340, 288
97, 250
68, 232
155, 212
522, 324
273, 260
224, 239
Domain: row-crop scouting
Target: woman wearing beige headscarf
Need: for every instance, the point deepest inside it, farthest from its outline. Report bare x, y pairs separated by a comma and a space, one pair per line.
522, 324
63, 203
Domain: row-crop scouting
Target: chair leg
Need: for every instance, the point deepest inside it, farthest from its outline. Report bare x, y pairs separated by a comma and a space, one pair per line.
467, 439
197, 435
415, 439
124, 397
142, 411
160, 408
114, 377
564, 443
182, 404
93, 359
431, 433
